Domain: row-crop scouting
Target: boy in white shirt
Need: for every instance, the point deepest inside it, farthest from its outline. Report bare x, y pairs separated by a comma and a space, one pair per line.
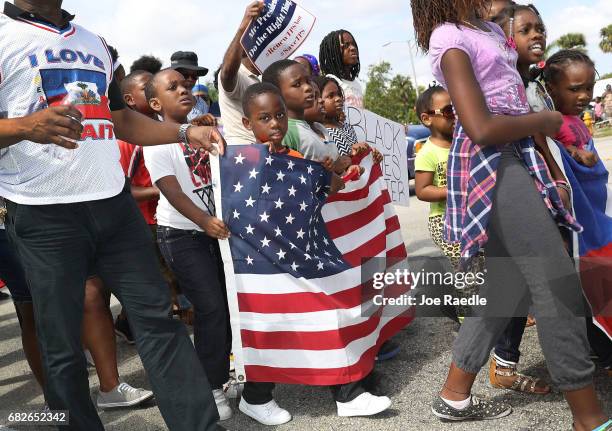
187, 231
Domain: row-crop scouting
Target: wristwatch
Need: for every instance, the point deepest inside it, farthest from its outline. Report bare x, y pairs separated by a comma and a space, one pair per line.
182, 134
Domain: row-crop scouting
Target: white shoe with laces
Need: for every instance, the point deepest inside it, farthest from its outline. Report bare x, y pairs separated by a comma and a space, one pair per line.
365, 404
223, 406
122, 396
266, 414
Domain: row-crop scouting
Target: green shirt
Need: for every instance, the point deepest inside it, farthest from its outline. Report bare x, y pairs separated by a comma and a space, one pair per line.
302, 138
432, 158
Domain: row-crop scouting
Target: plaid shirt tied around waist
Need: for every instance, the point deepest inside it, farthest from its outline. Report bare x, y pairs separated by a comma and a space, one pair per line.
471, 177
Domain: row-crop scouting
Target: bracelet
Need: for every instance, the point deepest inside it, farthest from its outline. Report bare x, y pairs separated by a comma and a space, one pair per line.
182, 134
565, 187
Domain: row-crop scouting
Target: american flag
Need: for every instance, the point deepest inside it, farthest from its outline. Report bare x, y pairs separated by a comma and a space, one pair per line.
299, 309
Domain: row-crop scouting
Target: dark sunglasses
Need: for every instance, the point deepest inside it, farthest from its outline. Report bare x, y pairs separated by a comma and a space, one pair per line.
446, 112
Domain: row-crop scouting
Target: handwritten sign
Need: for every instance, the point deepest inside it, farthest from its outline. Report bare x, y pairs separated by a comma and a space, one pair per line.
389, 138
277, 33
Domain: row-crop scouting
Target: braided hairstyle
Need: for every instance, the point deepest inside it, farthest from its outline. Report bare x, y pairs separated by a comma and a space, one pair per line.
560, 60
330, 56
428, 14
508, 13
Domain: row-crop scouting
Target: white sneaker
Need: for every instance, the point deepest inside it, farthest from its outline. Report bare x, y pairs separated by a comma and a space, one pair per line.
122, 396
365, 404
223, 406
267, 414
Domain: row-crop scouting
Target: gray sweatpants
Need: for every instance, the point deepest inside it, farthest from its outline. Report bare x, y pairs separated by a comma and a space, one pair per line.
527, 264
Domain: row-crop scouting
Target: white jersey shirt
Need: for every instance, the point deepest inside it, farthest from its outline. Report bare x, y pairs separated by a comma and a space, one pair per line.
41, 66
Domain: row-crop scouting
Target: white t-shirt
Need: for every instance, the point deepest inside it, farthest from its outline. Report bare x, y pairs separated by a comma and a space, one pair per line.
230, 104
42, 66
353, 91
193, 174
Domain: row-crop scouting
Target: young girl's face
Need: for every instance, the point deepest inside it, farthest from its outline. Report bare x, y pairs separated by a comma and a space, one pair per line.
315, 113
296, 88
573, 88
529, 36
333, 103
350, 53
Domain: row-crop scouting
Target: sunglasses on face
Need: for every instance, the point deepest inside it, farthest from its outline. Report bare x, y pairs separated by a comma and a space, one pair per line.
446, 112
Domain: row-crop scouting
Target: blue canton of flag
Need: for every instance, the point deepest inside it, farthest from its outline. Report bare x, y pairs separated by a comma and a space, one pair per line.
272, 205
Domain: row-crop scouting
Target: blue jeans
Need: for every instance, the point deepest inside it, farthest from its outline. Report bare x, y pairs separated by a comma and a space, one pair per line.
59, 246
507, 347
195, 260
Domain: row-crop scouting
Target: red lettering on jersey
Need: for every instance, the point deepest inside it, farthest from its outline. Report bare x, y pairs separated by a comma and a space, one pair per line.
89, 132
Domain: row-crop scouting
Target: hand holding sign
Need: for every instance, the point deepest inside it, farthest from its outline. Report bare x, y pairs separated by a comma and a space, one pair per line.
275, 32
252, 12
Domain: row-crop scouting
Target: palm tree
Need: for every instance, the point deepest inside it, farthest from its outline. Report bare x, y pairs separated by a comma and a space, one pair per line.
606, 39
568, 41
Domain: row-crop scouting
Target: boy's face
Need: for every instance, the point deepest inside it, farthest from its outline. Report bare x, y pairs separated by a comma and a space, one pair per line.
573, 88
440, 123
267, 119
172, 98
316, 111
136, 99
332, 100
296, 88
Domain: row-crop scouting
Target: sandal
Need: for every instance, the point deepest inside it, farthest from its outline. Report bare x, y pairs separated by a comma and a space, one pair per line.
521, 382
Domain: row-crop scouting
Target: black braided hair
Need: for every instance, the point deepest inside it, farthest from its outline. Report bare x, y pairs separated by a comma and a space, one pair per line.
330, 56
560, 59
322, 81
273, 72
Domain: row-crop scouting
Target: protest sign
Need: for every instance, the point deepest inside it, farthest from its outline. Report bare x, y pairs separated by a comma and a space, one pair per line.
389, 138
277, 33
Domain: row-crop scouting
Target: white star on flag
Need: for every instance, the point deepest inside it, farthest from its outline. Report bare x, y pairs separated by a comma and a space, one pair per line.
303, 206
280, 176
249, 202
292, 191
264, 217
278, 232
310, 170
239, 158
300, 234
294, 266
265, 242
281, 254
238, 187
307, 256
289, 219
290, 165
265, 189
279, 204
236, 214
253, 173
320, 265
269, 160
302, 179
292, 245
250, 229
249, 260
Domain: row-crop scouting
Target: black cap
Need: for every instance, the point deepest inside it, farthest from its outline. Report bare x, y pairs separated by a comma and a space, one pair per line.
187, 60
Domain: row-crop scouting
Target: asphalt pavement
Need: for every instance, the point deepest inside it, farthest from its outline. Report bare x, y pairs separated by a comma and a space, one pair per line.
411, 379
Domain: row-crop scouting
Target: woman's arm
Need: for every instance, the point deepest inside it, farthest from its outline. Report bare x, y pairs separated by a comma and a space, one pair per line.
481, 125
425, 190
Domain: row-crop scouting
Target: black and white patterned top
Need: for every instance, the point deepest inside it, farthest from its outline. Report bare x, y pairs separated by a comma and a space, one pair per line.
344, 137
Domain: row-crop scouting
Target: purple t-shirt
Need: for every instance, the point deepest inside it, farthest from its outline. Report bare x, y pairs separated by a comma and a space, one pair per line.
493, 61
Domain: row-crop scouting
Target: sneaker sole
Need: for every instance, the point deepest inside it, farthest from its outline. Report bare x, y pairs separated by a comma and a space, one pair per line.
389, 355
469, 418
124, 337
248, 413
125, 403
356, 413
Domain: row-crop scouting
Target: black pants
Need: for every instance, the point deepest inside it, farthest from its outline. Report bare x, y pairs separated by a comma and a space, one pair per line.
261, 393
59, 246
195, 260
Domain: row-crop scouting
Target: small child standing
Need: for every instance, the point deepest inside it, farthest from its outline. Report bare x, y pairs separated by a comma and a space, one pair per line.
570, 78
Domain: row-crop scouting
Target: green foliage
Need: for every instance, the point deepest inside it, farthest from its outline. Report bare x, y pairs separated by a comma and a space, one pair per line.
213, 93
606, 76
567, 41
392, 97
606, 39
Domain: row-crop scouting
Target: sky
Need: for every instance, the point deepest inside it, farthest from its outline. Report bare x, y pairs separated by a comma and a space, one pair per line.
160, 27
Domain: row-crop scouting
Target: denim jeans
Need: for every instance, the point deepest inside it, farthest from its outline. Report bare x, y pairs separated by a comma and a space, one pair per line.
507, 347
195, 260
59, 246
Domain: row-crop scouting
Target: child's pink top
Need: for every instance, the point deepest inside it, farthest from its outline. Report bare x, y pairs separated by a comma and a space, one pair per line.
573, 132
493, 61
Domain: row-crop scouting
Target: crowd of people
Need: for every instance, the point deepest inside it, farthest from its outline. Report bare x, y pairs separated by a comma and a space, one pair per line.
106, 188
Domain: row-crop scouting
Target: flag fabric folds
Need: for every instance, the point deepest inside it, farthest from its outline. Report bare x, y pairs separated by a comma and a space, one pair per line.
300, 311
